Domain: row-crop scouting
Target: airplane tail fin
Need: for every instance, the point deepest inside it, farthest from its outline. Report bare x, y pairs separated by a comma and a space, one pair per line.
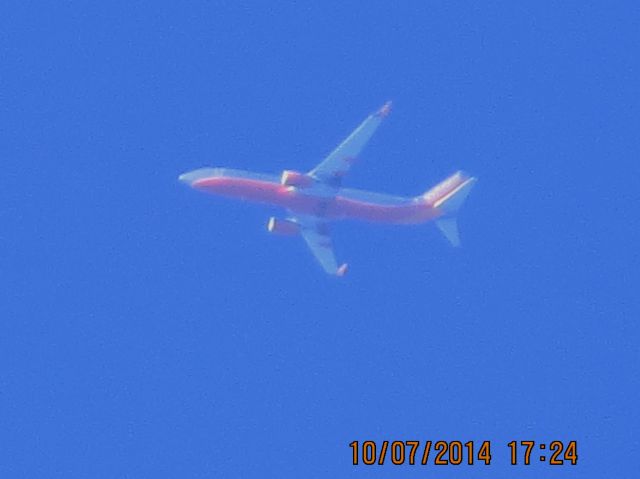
447, 197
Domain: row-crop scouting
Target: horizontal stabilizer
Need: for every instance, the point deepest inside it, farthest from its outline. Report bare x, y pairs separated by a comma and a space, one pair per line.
449, 227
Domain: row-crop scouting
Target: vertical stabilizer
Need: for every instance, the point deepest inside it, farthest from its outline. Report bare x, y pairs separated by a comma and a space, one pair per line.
451, 202
447, 197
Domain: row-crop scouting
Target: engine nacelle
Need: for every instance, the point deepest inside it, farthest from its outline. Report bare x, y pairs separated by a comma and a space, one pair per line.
282, 227
295, 178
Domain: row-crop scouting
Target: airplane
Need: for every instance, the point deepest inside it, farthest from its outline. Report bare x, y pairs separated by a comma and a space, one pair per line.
316, 198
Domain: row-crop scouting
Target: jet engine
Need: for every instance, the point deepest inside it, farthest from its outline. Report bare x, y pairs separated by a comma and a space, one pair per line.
282, 227
295, 178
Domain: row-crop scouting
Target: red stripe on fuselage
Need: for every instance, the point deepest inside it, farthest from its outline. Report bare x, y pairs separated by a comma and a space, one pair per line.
295, 200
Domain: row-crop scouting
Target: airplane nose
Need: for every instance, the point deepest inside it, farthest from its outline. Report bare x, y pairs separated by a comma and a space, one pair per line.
190, 177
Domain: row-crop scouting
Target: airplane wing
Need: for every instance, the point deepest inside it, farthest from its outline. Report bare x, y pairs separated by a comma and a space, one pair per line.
336, 165
316, 233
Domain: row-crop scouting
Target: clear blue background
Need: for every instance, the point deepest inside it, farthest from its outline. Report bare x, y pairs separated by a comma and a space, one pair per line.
151, 331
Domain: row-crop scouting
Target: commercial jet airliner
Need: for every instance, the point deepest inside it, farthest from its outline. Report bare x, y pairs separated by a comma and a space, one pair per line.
316, 198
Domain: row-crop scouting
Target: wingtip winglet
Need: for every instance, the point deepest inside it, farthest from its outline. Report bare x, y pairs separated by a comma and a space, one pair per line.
385, 110
342, 270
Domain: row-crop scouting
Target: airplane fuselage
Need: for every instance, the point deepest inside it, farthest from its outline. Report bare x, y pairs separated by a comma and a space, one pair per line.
318, 201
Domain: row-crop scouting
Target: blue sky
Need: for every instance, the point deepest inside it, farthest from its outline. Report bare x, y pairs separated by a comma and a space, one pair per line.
150, 331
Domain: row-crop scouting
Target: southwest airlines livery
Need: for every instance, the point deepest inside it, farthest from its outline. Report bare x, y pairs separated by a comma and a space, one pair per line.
314, 199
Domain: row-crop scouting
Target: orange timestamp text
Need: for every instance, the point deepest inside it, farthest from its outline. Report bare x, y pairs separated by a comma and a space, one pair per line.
445, 453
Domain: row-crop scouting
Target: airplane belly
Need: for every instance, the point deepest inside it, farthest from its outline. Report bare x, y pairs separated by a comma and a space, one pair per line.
401, 214
244, 188
309, 205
